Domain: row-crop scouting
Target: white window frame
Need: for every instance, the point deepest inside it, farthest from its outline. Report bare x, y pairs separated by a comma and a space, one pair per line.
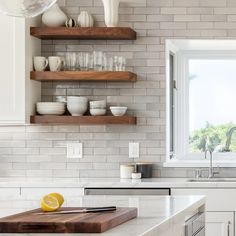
181, 157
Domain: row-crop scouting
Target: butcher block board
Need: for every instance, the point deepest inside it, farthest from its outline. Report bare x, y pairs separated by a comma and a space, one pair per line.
29, 222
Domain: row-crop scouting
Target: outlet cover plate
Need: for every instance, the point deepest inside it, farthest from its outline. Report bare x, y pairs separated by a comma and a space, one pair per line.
133, 150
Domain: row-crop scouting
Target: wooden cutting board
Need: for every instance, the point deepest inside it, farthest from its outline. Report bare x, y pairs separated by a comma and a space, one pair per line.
29, 222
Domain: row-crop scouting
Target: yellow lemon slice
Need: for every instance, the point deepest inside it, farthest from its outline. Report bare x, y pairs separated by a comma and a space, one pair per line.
49, 203
58, 196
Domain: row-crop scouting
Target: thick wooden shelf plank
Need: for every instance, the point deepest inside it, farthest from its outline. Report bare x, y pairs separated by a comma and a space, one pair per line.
115, 76
94, 33
84, 120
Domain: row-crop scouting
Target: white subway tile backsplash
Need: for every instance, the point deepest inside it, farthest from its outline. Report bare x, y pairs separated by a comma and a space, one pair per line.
36, 151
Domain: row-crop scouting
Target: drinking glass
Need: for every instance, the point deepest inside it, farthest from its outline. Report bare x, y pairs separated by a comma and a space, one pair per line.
123, 63
98, 60
83, 59
80, 61
116, 63
91, 61
110, 64
120, 63
105, 62
86, 61
71, 61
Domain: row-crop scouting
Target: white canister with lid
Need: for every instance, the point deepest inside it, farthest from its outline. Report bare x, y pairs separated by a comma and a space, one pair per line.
126, 171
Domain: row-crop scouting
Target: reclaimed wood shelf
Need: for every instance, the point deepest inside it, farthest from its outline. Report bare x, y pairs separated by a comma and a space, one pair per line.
94, 33
84, 120
93, 76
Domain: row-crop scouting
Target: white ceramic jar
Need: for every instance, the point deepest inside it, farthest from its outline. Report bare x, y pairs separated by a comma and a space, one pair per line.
85, 19
111, 11
126, 171
54, 17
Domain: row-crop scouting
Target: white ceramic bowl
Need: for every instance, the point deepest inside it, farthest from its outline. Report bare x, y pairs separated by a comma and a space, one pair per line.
98, 112
50, 108
118, 111
98, 104
77, 109
76, 105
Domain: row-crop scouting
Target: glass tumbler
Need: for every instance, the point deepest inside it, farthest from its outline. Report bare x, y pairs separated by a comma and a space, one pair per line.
110, 64
86, 61
71, 61
98, 60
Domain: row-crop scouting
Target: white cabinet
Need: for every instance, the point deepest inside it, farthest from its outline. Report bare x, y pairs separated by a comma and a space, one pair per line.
17, 93
220, 209
220, 224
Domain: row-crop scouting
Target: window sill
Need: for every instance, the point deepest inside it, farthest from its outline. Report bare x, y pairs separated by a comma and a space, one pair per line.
195, 163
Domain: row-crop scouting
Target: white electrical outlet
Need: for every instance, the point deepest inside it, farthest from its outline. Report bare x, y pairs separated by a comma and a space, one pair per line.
74, 150
133, 150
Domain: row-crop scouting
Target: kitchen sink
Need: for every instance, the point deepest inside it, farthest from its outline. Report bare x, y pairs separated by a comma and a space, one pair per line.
206, 180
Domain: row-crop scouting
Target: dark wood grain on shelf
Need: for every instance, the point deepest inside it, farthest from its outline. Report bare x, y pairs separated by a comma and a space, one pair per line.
94, 33
84, 120
116, 76
29, 222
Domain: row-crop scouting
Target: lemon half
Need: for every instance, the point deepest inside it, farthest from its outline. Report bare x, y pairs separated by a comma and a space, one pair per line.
49, 203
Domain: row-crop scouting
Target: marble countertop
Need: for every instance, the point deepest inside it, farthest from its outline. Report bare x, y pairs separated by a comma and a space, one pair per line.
154, 212
111, 183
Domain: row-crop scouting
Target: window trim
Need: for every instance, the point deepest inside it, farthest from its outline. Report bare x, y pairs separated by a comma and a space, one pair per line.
182, 138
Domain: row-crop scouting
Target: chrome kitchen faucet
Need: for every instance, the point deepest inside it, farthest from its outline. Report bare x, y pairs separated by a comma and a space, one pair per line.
211, 170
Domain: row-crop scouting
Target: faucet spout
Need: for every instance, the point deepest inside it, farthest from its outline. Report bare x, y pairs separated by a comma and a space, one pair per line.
229, 139
211, 172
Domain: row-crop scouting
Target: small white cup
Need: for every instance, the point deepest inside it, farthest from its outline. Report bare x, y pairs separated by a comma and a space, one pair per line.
40, 63
55, 63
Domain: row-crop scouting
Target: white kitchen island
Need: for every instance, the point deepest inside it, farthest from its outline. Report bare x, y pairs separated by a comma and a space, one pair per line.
157, 215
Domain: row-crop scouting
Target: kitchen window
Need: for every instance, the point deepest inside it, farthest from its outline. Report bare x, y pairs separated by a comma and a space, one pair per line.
201, 102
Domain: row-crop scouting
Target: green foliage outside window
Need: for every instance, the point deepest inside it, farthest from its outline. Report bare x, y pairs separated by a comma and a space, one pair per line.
213, 136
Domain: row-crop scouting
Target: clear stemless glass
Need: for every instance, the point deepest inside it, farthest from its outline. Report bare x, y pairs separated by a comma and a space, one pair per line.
116, 63
98, 60
86, 61
71, 61
91, 61
110, 64
123, 63
104, 62
80, 61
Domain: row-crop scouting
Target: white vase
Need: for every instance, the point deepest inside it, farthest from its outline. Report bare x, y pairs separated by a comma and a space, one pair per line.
85, 19
111, 11
54, 17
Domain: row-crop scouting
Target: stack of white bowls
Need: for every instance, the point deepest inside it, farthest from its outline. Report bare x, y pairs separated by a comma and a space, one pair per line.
98, 108
50, 108
77, 106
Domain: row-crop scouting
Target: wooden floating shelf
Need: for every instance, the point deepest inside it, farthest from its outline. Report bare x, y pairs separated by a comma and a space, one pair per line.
94, 33
93, 76
84, 120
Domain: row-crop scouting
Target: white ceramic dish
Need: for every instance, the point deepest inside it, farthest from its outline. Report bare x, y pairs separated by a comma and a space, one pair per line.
51, 104
50, 108
98, 112
118, 111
